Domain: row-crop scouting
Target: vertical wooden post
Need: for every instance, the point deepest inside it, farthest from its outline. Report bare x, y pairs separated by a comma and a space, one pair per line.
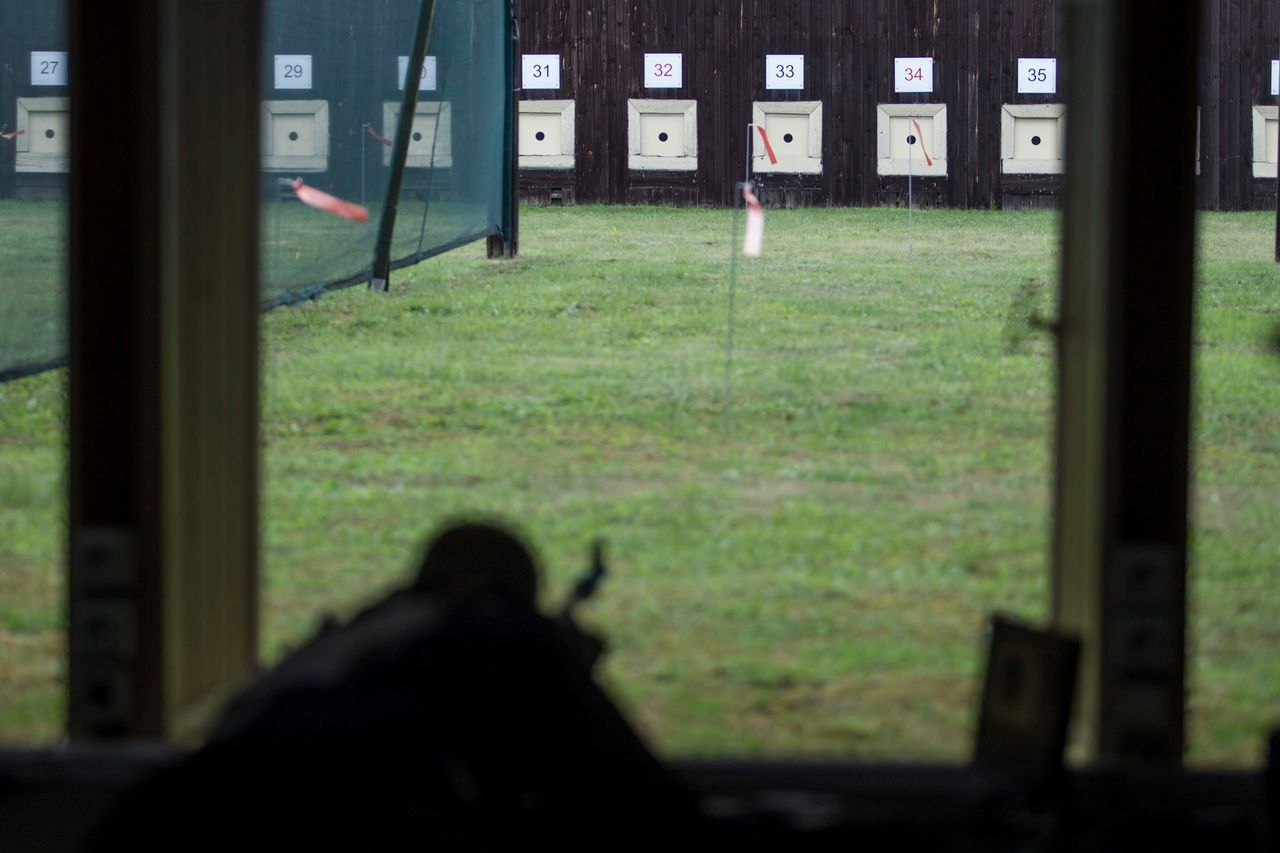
1123, 433
507, 244
163, 362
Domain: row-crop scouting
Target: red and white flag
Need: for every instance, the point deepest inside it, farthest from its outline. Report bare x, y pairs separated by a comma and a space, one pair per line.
753, 240
768, 149
10, 134
321, 200
920, 137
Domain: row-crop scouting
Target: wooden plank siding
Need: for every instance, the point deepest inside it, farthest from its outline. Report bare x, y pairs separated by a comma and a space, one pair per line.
24, 27
1240, 39
849, 49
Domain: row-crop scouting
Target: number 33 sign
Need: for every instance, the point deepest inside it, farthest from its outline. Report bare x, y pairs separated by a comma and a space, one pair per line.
663, 70
784, 71
913, 74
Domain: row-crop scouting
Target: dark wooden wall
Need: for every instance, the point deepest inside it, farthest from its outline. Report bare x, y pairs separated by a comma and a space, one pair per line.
1238, 41
850, 47
27, 25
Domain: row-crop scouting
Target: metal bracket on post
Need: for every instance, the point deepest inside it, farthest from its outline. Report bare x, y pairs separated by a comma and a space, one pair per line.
104, 629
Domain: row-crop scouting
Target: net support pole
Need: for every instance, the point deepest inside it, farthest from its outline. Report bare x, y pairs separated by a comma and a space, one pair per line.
507, 244
381, 277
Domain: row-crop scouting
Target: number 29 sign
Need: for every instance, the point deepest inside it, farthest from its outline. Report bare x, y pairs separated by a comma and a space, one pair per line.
663, 70
293, 71
913, 74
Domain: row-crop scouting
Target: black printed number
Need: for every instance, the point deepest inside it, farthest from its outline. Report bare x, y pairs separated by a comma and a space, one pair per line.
1037, 75
785, 72
541, 71
292, 72
49, 66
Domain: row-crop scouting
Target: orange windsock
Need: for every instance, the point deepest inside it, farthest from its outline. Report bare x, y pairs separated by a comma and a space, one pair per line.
321, 200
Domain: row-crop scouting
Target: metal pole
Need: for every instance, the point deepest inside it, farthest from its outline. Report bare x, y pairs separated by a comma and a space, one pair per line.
910, 200
733, 280
364, 135
728, 339
400, 150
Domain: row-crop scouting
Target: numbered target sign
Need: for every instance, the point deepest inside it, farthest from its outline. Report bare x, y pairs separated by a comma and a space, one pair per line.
913, 74
1037, 76
663, 70
540, 70
293, 71
427, 82
1275, 76
784, 71
48, 68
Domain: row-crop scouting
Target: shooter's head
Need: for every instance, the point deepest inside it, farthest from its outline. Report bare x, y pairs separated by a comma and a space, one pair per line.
471, 562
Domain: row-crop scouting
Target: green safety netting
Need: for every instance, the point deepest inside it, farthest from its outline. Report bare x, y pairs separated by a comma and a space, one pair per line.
332, 92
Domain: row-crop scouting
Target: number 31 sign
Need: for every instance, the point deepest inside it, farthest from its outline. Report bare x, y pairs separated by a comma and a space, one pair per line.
913, 74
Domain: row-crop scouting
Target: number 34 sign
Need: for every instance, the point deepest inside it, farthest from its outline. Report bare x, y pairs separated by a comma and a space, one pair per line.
913, 74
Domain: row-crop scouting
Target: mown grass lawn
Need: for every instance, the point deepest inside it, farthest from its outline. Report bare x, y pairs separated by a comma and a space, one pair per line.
808, 576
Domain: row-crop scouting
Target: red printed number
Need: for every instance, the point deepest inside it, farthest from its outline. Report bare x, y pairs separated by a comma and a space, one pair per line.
663, 69
915, 73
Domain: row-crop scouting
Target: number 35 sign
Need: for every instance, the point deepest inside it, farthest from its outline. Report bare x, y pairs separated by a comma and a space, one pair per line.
1037, 76
913, 74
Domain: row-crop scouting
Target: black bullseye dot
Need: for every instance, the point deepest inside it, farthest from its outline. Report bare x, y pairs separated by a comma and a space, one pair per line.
48, 134
1035, 140
662, 137
911, 139
786, 137
293, 136
539, 136
417, 137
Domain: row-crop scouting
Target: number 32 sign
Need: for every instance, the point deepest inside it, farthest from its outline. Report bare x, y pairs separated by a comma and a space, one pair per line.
913, 74
663, 70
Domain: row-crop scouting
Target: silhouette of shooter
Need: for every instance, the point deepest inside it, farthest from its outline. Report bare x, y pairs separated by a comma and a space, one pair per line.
451, 715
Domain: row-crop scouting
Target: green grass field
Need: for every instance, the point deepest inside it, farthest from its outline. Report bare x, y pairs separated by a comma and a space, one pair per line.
809, 577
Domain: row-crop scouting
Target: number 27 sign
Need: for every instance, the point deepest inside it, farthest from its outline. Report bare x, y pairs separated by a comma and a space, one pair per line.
913, 74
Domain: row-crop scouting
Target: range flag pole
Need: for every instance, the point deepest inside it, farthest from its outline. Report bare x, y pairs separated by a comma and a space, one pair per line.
364, 156
912, 139
752, 242
911, 145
